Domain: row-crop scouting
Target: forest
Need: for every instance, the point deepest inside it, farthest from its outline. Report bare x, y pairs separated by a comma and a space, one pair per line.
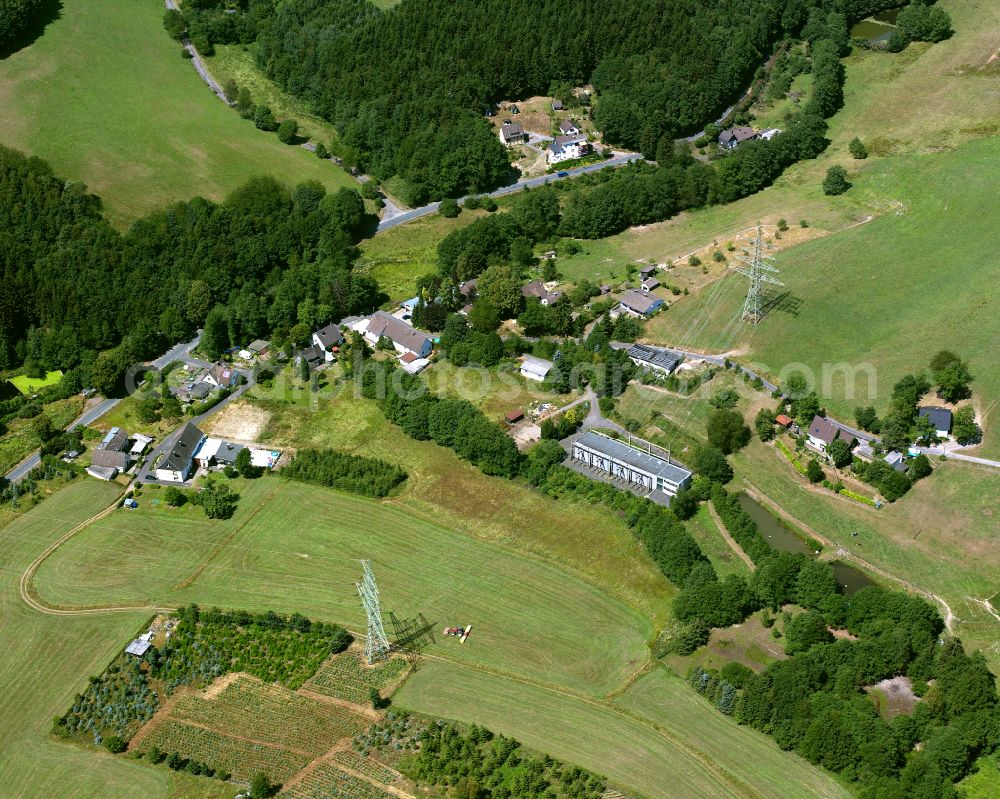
15, 17
267, 262
407, 88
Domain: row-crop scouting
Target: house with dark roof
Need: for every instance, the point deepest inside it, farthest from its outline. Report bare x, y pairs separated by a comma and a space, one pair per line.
512, 133
731, 138
313, 355
566, 148
647, 271
536, 288
557, 105
635, 303
404, 337
568, 128
940, 419
111, 459
654, 359
823, 432
177, 462
328, 339
221, 375
649, 284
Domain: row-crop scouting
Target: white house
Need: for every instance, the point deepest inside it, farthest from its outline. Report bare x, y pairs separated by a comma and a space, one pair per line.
940, 419
568, 128
536, 369
327, 339
654, 359
177, 462
731, 138
512, 133
403, 337
566, 148
221, 375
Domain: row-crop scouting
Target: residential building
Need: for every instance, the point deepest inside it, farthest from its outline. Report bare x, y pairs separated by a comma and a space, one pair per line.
896, 460
115, 440
314, 355
731, 138
111, 459
783, 420
566, 148
177, 462
649, 284
536, 369
112, 453
635, 303
557, 105
216, 452
770, 133
647, 271
512, 133
568, 128
823, 432
221, 375
260, 348
655, 359
404, 337
624, 462
940, 419
536, 288
328, 339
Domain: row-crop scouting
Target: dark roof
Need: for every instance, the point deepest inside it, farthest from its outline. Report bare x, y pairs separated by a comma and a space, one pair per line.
650, 283
329, 336
111, 458
566, 126
222, 374
557, 105
183, 449
115, 440
647, 270
738, 134
536, 288
227, 452
623, 453
559, 143
312, 354
511, 129
514, 416
639, 302
654, 356
468, 288
939, 417
397, 331
259, 345
823, 429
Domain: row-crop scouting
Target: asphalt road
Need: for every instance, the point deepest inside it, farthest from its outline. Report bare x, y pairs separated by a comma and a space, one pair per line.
179, 352
416, 213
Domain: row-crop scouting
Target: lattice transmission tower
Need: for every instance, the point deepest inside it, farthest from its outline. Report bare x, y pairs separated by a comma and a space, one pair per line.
377, 646
757, 269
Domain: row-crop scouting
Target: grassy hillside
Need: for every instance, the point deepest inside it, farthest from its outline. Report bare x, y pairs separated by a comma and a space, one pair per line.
889, 293
45, 660
293, 547
655, 740
106, 98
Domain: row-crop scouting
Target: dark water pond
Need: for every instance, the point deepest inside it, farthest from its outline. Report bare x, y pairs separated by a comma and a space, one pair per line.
783, 539
877, 28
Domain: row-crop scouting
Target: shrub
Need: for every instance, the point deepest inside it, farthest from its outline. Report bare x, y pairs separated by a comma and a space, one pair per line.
449, 208
288, 131
174, 497
264, 119
814, 471
321, 151
115, 745
835, 181
857, 149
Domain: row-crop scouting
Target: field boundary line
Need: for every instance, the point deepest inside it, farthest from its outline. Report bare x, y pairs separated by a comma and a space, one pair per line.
729, 539
361, 710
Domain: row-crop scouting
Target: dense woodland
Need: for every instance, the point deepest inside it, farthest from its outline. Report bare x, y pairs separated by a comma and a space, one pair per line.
15, 17
407, 88
266, 262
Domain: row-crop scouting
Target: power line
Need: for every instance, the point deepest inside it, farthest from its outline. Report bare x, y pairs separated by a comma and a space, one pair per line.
757, 268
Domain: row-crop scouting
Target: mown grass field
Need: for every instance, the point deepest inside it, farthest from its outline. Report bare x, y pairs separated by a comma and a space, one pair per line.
655, 740
106, 98
28, 385
296, 548
45, 660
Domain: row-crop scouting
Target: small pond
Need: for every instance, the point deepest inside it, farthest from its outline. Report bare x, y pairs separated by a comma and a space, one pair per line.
784, 539
877, 28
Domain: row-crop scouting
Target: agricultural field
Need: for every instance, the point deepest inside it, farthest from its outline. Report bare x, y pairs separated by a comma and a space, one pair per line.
530, 616
45, 660
327, 781
706, 754
95, 119
347, 676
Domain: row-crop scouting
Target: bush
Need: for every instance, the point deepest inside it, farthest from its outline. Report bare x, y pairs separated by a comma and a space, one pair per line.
321, 151
727, 431
449, 208
264, 119
711, 463
814, 471
288, 131
115, 745
174, 497
835, 181
857, 149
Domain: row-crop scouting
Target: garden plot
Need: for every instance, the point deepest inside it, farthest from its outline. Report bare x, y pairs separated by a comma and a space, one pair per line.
346, 676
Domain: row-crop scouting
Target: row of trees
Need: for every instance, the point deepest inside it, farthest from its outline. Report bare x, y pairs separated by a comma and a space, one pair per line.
369, 477
266, 262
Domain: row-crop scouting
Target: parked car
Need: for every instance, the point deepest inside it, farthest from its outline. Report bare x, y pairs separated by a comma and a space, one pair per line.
563, 174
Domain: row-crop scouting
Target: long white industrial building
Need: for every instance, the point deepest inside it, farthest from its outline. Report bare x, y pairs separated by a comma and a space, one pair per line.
625, 462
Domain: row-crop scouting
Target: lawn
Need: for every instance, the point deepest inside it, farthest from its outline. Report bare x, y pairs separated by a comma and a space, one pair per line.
45, 660
106, 98
880, 298
705, 531
20, 441
529, 616
29, 385
659, 740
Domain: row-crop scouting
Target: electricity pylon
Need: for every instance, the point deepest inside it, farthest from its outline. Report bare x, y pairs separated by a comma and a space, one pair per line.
757, 267
377, 646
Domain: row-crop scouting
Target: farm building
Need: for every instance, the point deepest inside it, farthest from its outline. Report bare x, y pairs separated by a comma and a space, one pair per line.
647, 271
328, 339
111, 454
403, 337
940, 419
649, 284
177, 462
624, 462
512, 133
783, 420
137, 648
536, 369
536, 288
514, 416
655, 359
102, 472
635, 303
